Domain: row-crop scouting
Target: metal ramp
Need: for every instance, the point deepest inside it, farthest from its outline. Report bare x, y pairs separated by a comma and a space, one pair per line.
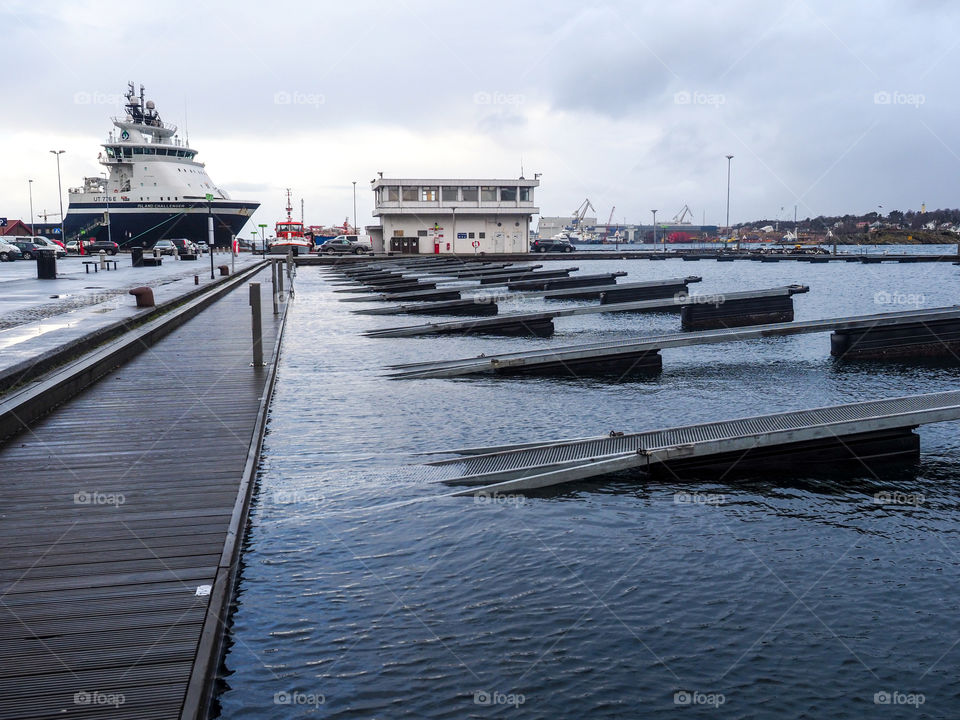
597, 352
526, 467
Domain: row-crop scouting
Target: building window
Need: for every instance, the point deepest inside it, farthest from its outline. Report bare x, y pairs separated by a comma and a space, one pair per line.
398, 233
508, 194
410, 194
524, 194
450, 194
428, 194
393, 193
421, 233
469, 193
488, 194
482, 235
471, 235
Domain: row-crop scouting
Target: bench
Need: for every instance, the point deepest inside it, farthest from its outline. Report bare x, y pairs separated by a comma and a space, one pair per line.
95, 264
188, 256
152, 261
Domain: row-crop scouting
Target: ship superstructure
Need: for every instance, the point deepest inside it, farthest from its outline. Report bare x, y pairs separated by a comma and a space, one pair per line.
153, 187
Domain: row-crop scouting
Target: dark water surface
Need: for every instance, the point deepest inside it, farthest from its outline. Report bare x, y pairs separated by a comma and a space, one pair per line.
769, 596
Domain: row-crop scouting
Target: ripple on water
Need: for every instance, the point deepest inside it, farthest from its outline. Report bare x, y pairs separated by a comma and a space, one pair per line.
793, 596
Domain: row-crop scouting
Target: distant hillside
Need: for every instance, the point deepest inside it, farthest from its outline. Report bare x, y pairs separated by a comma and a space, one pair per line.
894, 228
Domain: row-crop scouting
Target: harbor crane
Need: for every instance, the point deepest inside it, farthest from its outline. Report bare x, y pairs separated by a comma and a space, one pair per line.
679, 218
606, 228
580, 213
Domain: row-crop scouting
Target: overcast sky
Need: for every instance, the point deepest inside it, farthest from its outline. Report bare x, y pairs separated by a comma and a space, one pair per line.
835, 107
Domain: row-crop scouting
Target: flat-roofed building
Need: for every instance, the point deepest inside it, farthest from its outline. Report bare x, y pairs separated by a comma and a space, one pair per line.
457, 215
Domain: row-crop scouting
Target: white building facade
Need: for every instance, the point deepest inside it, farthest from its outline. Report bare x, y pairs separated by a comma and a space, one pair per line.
455, 216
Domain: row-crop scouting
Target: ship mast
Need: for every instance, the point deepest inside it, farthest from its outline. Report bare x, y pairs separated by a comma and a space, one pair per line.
289, 207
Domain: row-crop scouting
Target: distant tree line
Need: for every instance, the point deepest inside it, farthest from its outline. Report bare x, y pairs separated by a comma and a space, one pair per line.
850, 224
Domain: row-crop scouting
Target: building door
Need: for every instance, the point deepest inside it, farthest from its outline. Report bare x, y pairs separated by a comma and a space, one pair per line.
499, 242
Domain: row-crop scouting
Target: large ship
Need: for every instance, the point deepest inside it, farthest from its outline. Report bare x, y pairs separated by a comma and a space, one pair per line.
154, 188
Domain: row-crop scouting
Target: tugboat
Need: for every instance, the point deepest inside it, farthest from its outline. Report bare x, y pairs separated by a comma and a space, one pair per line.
289, 234
155, 188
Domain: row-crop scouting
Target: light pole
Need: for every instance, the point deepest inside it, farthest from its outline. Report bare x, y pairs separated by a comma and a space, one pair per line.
655, 230
106, 192
355, 207
30, 186
263, 242
58, 153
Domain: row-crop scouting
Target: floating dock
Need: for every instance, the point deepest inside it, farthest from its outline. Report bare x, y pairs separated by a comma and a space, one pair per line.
864, 432
642, 354
124, 512
540, 324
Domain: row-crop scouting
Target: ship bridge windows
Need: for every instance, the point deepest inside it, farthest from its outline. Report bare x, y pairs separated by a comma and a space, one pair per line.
524, 194
450, 193
508, 194
469, 193
488, 194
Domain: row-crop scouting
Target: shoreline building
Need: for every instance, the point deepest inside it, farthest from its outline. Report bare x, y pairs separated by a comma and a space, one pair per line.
460, 216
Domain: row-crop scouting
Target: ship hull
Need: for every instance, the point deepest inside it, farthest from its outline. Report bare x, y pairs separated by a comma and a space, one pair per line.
142, 224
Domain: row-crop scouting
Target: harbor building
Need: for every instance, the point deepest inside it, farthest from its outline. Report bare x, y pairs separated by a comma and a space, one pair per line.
458, 215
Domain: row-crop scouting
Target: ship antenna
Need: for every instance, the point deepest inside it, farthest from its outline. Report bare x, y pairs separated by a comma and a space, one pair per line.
186, 125
289, 207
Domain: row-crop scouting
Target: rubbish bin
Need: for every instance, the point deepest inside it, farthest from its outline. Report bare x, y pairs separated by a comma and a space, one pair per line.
46, 264
137, 255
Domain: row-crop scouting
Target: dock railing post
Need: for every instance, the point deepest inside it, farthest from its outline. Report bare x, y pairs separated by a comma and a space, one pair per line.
273, 284
279, 277
257, 324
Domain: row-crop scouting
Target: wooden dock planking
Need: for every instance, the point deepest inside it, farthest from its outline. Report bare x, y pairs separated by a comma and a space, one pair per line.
103, 597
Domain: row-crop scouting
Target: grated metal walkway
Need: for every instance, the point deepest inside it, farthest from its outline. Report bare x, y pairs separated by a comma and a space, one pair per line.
579, 353
524, 467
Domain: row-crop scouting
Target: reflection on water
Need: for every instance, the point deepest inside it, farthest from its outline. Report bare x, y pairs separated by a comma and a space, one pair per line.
366, 593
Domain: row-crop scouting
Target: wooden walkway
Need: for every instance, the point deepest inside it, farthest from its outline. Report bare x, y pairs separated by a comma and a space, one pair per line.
118, 514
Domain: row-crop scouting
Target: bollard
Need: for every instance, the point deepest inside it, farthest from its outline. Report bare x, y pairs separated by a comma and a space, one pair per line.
279, 278
196, 279
224, 270
103, 259
144, 296
273, 285
290, 264
156, 252
257, 324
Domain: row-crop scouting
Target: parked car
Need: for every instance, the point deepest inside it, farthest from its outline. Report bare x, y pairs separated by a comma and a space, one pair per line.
551, 245
165, 247
38, 240
48, 244
9, 252
27, 249
96, 246
355, 244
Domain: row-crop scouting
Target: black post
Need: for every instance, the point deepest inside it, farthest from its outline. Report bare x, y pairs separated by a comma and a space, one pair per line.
210, 235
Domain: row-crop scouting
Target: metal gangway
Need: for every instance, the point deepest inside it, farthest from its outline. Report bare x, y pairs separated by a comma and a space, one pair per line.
528, 466
636, 346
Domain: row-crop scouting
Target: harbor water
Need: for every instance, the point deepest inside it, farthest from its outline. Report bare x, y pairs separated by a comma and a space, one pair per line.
363, 594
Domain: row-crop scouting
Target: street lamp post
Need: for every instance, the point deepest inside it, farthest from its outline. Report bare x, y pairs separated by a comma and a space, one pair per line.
210, 239
263, 242
30, 186
729, 158
106, 192
355, 229
58, 153
655, 229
